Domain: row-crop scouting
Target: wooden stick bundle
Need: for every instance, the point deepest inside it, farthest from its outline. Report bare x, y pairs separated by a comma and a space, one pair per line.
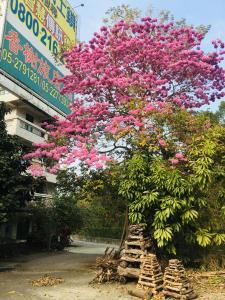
107, 266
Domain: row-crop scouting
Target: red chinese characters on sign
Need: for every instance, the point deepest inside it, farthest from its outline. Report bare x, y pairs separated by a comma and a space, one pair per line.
30, 56
55, 81
14, 42
44, 68
30, 4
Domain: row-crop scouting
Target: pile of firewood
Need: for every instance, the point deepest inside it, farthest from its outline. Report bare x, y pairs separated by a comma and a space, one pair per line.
138, 261
176, 284
136, 245
151, 276
107, 267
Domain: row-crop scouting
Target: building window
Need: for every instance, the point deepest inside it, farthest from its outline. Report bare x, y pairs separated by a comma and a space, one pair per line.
28, 127
29, 118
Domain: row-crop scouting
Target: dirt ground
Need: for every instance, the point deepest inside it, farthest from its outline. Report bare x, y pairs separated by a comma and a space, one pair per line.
77, 270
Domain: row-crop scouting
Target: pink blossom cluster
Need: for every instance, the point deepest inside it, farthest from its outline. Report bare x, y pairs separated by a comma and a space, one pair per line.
122, 76
36, 170
162, 142
177, 158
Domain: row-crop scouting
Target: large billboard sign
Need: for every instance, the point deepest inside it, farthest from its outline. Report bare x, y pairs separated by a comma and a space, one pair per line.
34, 33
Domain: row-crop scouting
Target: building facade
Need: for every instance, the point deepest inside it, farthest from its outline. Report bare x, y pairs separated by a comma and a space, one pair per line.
25, 121
33, 35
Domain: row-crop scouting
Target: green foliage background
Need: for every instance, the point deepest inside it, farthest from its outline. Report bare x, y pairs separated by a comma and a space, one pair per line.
181, 204
95, 196
16, 186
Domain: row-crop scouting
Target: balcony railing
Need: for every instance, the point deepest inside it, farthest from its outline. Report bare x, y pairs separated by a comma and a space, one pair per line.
43, 195
32, 128
26, 130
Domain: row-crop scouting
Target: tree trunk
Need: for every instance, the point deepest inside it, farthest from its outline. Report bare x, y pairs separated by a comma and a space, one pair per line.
125, 230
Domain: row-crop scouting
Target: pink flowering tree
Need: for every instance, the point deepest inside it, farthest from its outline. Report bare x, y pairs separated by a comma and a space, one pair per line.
123, 75
134, 84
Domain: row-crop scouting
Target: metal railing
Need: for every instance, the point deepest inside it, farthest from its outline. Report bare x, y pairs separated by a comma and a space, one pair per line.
32, 128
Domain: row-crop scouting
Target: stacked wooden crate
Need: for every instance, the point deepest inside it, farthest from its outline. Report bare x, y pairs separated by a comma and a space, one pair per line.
151, 276
136, 245
176, 284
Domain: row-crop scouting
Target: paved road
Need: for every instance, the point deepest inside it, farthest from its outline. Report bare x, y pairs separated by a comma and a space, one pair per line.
89, 247
76, 267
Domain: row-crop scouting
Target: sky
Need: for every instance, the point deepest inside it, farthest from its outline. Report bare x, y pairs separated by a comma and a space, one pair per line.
196, 12
208, 12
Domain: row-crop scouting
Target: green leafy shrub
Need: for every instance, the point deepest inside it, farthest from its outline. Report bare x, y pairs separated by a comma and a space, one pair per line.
174, 196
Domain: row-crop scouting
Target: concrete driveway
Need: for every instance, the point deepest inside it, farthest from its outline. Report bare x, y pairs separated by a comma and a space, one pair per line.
76, 267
